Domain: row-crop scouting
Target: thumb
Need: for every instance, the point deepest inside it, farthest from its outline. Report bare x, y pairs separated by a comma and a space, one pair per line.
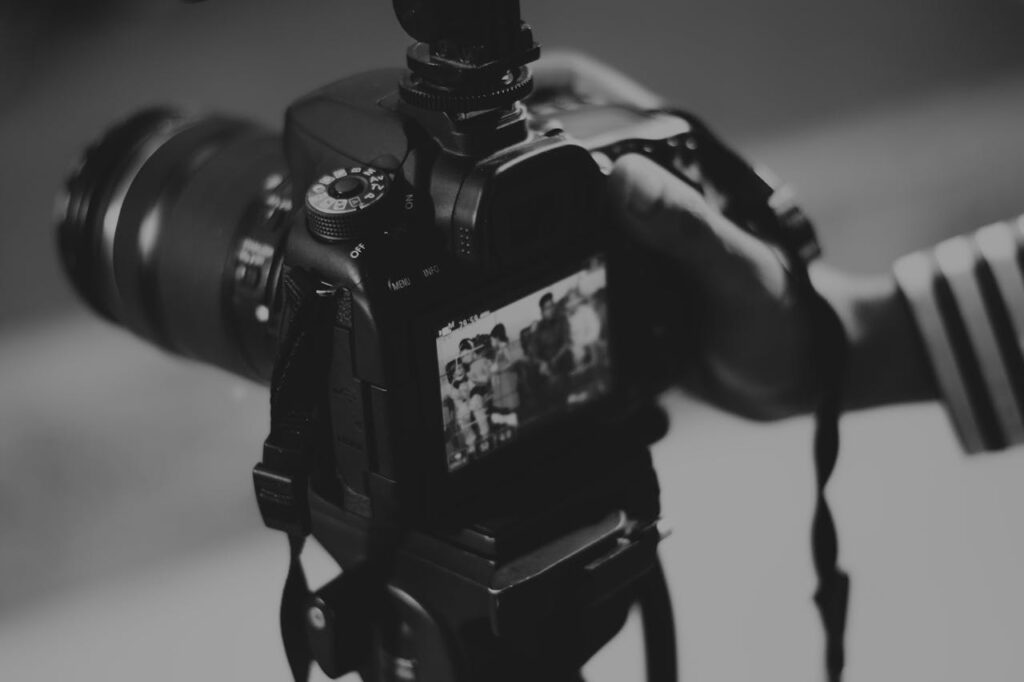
667, 215
663, 212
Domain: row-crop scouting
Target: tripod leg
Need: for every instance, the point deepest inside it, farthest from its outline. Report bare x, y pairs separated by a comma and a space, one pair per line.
410, 645
659, 626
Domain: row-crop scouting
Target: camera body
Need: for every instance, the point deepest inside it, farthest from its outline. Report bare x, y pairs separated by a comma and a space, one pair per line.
463, 349
455, 245
541, 478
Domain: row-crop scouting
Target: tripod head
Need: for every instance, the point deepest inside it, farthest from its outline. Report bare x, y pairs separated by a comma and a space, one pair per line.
470, 55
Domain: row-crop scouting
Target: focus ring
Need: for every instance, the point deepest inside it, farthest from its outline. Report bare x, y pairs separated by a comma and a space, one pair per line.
83, 202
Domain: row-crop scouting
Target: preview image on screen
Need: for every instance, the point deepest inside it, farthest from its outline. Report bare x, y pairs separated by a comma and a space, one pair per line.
508, 370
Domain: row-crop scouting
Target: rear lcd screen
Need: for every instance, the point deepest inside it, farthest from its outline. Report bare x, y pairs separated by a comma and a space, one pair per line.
506, 371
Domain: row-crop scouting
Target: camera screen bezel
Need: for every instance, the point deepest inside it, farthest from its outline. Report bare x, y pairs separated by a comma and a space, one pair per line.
553, 441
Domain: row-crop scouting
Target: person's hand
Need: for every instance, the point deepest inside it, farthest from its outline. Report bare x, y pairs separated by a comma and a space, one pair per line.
561, 72
756, 338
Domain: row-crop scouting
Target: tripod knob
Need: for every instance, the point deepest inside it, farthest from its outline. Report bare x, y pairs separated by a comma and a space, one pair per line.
346, 204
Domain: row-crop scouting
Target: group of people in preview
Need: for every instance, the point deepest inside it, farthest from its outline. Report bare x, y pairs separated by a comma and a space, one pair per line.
496, 385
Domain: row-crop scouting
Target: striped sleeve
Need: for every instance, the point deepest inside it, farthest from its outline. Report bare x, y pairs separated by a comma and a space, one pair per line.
966, 296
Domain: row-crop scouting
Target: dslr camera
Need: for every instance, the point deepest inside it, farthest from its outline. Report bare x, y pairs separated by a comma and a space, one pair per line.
462, 351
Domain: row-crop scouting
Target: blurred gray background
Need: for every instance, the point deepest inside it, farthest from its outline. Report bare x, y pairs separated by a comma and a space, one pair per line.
129, 543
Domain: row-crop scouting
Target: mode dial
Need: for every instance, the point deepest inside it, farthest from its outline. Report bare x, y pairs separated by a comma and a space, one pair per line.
347, 204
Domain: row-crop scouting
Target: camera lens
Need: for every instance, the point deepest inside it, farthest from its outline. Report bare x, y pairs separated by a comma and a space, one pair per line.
171, 225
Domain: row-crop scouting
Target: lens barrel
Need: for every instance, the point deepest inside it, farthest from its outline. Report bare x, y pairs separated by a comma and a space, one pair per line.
172, 225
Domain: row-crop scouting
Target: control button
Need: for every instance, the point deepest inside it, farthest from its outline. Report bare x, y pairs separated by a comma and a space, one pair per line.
251, 275
399, 283
604, 162
346, 187
347, 204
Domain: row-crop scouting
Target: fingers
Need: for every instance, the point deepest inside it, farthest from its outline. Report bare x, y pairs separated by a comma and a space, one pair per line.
554, 72
664, 212
669, 216
574, 72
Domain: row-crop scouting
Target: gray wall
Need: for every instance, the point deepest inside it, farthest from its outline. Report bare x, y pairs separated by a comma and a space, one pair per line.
128, 534
752, 68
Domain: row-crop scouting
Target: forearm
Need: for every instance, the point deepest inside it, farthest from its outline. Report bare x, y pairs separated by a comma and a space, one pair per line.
887, 363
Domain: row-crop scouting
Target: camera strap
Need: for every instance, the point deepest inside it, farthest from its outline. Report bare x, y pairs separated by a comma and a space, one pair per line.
297, 400
830, 358
767, 210
330, 626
